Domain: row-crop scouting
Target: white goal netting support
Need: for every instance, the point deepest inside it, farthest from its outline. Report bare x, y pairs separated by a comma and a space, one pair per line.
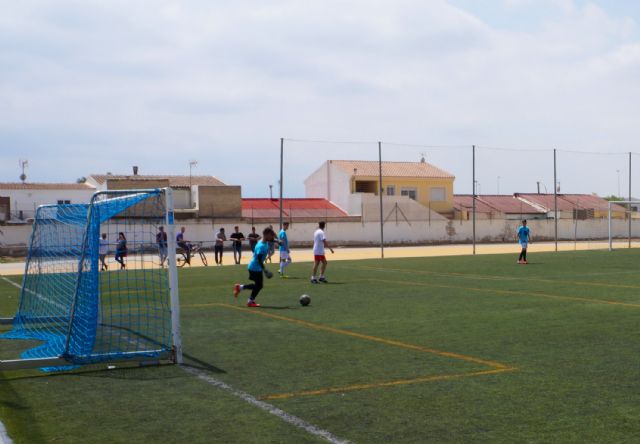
624, 223
100, 283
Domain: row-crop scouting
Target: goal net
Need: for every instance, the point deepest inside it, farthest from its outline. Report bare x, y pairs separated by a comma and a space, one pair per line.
624, 224
92, 300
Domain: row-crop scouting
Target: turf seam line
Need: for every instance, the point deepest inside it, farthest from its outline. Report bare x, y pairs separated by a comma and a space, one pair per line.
271, 409
511, 292
313, 325
400, 382
504, 278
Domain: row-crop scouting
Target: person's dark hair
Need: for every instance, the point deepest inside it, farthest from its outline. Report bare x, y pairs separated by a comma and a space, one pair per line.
253, 228
285, 223
121, 234
524, 221
221, 228
268, 231
322, 225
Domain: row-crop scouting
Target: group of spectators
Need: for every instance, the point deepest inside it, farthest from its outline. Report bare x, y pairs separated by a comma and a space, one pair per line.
236, 239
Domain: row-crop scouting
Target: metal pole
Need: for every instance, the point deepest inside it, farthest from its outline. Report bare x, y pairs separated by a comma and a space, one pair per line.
555, 198
281, 179
174, 293
380, 193
474, 196
630, 198
610, 239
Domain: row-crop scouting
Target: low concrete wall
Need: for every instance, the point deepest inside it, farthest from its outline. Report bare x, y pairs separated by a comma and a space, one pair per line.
368, 233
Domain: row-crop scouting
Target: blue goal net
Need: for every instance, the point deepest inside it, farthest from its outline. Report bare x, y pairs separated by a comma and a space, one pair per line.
97, 280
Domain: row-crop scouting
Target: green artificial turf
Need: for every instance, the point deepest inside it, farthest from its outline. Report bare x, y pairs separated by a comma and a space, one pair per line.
452, 349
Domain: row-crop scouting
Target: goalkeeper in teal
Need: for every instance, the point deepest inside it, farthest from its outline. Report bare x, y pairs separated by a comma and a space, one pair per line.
524, 237
257, 269
285, 253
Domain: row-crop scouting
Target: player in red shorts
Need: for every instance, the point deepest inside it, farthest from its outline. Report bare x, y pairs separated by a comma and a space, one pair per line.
319, 245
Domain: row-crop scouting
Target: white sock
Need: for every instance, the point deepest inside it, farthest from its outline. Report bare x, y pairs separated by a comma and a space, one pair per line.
241, 287
282, 267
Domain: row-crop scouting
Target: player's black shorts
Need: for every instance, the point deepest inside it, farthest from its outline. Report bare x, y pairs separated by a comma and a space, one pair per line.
218, 248
257, 277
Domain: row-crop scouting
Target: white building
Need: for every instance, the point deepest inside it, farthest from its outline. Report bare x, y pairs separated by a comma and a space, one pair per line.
22, 199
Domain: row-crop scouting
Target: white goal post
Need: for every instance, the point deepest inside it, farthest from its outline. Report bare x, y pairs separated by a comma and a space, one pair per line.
628, 220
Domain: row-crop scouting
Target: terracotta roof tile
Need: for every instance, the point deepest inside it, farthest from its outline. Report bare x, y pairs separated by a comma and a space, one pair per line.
174, 181
268, 208
391, 169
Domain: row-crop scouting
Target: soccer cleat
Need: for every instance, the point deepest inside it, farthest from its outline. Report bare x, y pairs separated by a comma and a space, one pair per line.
252, 304
525, 262
236, 290
314, 281
324, 280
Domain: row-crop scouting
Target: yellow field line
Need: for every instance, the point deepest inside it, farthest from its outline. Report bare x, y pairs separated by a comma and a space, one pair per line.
504, 278
312, 325
509, 292
401, 382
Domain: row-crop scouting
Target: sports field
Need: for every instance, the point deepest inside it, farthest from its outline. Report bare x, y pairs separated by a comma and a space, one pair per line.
446, 349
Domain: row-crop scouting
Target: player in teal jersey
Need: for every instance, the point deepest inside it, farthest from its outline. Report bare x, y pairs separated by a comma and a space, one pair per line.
257, 269
285, 253
524, 238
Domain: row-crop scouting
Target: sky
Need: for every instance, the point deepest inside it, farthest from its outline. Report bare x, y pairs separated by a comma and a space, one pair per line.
97, 86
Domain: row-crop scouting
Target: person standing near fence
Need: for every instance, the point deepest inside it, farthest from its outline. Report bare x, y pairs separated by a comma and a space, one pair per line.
103, 250
523, 236
253, 238
121, 250
161, 240
285, 253
218, 249
237, 237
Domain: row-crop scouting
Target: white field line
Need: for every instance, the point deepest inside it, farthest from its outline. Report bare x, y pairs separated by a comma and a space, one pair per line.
39, 296
4, 436
273, 410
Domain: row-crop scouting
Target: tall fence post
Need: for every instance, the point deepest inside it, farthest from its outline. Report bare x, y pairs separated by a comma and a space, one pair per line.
555, 197
281, 180
630, 199
381, 201
473, 167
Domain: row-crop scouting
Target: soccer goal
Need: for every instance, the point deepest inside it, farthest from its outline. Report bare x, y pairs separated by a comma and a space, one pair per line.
624, 222
84, 313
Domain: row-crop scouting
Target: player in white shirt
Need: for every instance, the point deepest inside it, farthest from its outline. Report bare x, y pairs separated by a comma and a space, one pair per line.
320, 260
103, 250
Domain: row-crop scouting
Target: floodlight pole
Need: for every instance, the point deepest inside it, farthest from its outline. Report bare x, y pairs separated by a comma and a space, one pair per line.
281, 179
555, 197
381, 201
610, 230
630, 198
473, 161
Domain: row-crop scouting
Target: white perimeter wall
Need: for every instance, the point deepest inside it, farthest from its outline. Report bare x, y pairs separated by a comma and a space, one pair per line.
369, 233
29, 200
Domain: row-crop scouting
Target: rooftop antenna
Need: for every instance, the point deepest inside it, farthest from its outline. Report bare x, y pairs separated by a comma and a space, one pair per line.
23, 165
423, 158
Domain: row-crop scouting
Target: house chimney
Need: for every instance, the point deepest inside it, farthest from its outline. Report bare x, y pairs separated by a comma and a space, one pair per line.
423, 158
135, 170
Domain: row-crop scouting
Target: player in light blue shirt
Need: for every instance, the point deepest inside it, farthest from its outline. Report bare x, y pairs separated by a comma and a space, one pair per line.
524, 238
285, 253
257, 268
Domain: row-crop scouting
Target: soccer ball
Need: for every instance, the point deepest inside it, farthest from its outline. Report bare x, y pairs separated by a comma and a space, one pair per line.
305, 300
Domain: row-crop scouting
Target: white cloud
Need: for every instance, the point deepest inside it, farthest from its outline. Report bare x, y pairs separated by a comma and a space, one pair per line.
103, 85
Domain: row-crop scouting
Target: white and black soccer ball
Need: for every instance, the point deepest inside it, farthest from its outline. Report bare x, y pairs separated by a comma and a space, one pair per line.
305, 300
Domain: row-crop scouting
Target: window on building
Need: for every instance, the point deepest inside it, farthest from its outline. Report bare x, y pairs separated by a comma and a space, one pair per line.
411, 193
391, 190
61, 202
438, 194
